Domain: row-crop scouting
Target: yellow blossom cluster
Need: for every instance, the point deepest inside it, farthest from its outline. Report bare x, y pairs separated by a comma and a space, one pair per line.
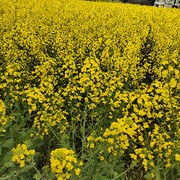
62, 163
21, 155
3, 119
110, 68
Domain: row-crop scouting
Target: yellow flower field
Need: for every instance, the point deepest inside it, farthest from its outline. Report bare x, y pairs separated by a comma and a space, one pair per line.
89, 90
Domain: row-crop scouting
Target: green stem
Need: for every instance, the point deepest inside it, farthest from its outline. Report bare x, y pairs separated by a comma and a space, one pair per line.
73, 131
83, 130
54, 133
124, 172
38, 172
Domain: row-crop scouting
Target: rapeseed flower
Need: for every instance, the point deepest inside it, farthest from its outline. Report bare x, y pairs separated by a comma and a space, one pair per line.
21, 155
62, 163
110, 64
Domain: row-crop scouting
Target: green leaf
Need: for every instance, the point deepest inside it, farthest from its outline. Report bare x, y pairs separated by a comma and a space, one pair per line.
101, 178
157, 172
2, 135
24, 136
37, 176
8, 156
148, 176
8, 144
26, 169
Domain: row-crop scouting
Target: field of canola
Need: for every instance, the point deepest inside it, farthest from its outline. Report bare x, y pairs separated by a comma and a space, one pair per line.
89, 90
